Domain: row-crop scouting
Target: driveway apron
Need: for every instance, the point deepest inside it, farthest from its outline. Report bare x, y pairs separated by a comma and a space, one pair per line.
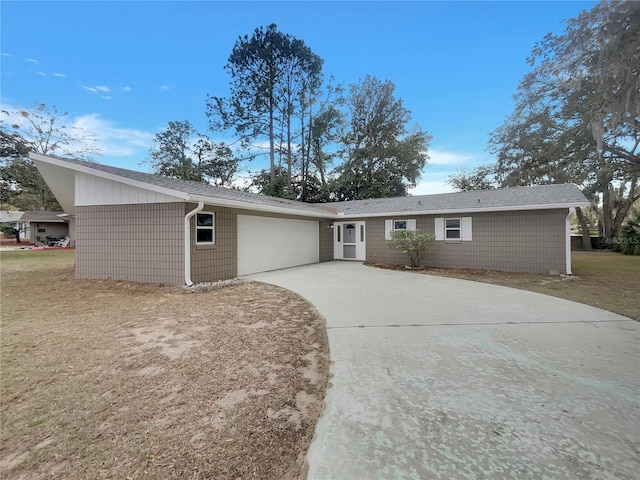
440, 378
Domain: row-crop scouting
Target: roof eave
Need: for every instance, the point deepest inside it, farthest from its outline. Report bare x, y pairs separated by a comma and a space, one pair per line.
108, 176
509, 208
224, 202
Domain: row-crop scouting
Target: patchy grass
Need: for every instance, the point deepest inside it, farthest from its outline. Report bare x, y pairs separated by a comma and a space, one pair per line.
21, 260
107, 379
603, 279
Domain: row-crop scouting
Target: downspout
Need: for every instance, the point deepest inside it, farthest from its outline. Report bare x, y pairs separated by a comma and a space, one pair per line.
567, 226
187, 243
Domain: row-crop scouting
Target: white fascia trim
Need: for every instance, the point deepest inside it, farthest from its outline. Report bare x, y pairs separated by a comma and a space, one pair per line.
109, 176
466, 210
224, 202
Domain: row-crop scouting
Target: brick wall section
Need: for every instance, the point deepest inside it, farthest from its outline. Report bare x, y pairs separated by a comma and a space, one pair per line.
326, 241
140, 243
210, 263
526, 241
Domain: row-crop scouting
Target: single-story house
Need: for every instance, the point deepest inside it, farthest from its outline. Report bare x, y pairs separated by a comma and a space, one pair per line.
46, 226
13, 219
142, 227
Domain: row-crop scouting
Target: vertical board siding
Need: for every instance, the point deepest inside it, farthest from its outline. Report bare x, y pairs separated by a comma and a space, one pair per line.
526, 241
139, 243
326, 241
92, 190
210, 263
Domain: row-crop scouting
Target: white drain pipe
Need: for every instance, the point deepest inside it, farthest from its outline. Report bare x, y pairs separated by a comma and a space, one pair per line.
567, 246
187, 243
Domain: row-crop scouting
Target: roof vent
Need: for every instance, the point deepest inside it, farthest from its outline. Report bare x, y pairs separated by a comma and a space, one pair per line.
478, 200
419, 202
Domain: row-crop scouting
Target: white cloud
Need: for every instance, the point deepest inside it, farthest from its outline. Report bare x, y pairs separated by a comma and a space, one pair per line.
6, 54
42, 74
165, 88
96, 89
443, 157
113, 140
60, 75
442, 164
431, 188
126, 89
31, 60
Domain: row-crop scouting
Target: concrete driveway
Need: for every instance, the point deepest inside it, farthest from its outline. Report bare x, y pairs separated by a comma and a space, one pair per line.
439, 378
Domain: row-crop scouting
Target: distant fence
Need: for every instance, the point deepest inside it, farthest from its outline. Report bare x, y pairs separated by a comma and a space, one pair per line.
596, 242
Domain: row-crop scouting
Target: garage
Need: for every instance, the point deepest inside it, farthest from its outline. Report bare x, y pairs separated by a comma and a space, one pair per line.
268, 243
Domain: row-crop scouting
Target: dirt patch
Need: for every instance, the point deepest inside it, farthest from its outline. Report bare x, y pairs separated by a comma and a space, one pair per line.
107, 379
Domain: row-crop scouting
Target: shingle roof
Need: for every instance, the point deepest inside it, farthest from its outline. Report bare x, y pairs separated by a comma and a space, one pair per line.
504, 198
7, 216
517, 198
201, 189
42, 217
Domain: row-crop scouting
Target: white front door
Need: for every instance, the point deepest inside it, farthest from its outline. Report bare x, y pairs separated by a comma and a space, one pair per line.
349, 241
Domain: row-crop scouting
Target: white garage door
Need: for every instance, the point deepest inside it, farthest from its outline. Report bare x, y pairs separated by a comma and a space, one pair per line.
266, 243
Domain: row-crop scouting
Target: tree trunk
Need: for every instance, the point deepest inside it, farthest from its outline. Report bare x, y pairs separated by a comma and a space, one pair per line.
624, 208
586, 237
607, 212
289, 149
272, 153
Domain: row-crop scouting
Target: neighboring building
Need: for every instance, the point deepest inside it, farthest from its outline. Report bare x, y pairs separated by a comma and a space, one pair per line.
141, 227
14, 220
47, 227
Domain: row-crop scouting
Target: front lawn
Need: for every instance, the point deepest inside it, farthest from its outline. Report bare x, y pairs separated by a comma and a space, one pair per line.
604, 279
108, 379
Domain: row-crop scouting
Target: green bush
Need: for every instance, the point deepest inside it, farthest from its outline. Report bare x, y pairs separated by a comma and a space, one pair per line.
628, 241
411, 242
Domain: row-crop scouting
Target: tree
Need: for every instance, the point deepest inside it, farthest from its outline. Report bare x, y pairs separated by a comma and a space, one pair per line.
270, 74
181, 152
15, 232
320, 133
382, 157
39, 129
628, 241
411, 242
577, 114
276, 188
480, 178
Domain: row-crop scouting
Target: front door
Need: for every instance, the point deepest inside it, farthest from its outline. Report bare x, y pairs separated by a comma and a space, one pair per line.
349, 241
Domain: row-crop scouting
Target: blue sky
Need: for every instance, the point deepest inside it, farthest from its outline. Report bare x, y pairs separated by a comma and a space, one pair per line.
123, 70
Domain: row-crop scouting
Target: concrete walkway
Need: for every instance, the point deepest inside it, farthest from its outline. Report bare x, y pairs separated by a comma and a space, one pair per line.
439, 378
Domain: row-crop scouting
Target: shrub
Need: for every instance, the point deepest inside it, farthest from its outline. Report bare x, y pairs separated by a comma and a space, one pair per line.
628, 241
411, 242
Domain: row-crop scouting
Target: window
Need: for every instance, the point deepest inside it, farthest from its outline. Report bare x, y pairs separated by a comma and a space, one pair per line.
391, 225
205, 228
452, 228
399, 224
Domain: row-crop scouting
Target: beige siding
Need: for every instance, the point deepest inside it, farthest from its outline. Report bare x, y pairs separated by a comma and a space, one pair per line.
526, 241
210, 263
140, 243
326, 240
